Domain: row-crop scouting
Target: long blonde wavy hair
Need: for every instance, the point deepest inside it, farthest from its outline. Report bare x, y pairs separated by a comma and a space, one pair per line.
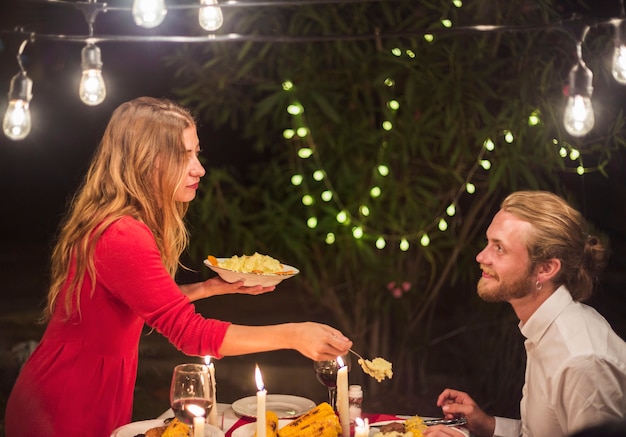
135, 172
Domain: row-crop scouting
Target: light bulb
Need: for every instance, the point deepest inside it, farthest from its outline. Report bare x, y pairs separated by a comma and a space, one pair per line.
619, 64
210, 15
578, 117
149, 13
16, 123
92, 90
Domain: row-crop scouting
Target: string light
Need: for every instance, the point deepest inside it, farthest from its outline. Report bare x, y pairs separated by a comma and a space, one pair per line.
149, 13
16, 123
578, 117
210, 15
92, 89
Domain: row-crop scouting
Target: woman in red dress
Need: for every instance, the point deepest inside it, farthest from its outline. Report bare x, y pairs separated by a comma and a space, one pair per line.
112, 271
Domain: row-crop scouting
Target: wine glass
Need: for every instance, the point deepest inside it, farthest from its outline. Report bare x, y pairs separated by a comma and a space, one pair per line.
326, 373
191, 392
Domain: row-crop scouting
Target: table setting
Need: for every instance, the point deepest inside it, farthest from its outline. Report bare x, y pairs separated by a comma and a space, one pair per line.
195, 412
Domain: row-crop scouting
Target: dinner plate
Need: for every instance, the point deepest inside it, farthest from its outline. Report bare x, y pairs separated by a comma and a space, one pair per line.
249, 429
252, 279
134, 428
285, 406
429, 421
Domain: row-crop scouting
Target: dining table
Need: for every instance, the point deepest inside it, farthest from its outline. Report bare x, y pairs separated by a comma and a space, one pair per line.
229, 420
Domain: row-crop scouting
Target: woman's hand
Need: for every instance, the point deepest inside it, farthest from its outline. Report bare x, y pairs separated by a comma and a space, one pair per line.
217, 286
319, 342
456, 403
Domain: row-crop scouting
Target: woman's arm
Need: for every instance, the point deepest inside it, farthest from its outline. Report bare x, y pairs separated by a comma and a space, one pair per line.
313, 340
217, 286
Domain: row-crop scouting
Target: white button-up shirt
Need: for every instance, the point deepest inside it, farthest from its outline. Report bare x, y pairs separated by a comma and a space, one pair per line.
575, 371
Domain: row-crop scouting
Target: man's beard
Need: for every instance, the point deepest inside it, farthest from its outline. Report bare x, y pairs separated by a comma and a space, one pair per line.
491, 291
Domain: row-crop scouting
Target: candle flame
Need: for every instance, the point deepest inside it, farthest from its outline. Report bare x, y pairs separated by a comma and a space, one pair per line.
194, 409
207, 359
258, 378
359, 421
340, 362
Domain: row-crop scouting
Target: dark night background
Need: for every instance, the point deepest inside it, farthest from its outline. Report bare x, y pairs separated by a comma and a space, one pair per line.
37, 175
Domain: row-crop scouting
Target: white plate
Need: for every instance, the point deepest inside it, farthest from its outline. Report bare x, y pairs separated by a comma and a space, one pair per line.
285, 406
249, 429
134, 428
251, 279
375, 427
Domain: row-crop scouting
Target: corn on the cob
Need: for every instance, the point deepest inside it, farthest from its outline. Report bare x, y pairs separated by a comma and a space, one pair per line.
321, 421
176, 428
271, 424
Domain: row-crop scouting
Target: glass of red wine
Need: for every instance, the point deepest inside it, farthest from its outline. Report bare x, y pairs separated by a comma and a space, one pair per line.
326, 373
191, 392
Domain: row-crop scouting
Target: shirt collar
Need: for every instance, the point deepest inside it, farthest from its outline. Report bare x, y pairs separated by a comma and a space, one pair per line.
542, 318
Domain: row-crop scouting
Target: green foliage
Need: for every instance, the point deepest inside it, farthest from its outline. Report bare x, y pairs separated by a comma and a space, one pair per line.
454, 94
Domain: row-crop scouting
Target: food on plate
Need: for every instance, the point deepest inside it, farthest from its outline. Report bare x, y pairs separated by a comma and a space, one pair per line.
378, 368
257, 263
321, 421
175, 428
412, 427
271, 424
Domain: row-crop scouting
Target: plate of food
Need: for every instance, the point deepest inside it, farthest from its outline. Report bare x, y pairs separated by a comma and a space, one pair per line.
413, 425
249, 429
256, 269
156, 428
285, 406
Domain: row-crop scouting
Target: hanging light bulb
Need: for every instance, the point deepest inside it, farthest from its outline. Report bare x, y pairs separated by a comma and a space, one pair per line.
618, 69
149, 13
210, 15
16, 123
578, 118
92, 90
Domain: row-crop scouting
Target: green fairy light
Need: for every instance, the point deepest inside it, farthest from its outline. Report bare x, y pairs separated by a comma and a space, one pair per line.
383, 170
457, 3
297, 179
429, 37
533, 118
410, 53
288, 134
380, 243
446, 23
365, 211
470, 188
425, 240
375, 192
327, 195
574, 154
318, 175
393, 104
287, 85
563, 152
330, 238
342, 217
312, 222
508, 136
404, 245
580, 170
396, 51
389, 82
485, 163
307, 200
451, 210
357, 232
295, 109
302, 132
305, 152
387, 125
489, 145
442, 225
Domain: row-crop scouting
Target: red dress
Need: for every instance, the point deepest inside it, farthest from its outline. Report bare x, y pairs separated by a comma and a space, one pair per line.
80, 379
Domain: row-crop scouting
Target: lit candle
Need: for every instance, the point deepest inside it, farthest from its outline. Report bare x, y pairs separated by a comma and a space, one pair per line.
260, 403
213, 413
198, 419
361, 428
343, 405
